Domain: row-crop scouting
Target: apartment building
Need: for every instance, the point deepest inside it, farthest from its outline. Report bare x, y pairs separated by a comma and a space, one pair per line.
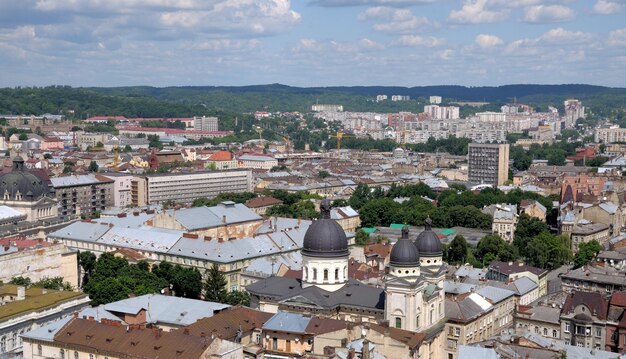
206, 123
185, 187
509, 271
121, 189
488, 164
83, 194
257, 162
584, 320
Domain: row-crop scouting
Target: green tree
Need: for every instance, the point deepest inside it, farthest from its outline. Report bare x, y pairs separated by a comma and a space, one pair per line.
380, 212
99, 144
215, 286
361, 237
68, 167
23, 281
93, 166
237, 297
127, 148
493, 247
87, 261
323, 174
23, 137
457, 250
184, 282
527, 228
586, 252
47, 156
360, 196
548, 251
56, 283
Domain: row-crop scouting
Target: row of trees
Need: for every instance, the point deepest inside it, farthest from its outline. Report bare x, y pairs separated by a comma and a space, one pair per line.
109, 278
56, 283
533, 243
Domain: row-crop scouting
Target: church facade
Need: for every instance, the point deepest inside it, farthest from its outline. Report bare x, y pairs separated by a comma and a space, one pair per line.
412, 297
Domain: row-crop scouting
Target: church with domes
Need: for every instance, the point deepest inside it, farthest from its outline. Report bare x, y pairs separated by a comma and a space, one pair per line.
412, 297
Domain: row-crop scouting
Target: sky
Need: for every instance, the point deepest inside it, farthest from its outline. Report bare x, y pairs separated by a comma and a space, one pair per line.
312, 42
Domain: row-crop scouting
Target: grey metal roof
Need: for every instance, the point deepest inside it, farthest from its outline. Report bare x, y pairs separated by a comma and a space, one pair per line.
75, 180
81, 231
495, 295
7, 212
287, 322
457, 288
473, 352
48, 331
142, 238
129, 221
207, 217
166, 309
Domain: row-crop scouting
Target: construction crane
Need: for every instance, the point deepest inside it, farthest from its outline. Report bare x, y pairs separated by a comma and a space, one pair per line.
287, 143
116, 158
339, 136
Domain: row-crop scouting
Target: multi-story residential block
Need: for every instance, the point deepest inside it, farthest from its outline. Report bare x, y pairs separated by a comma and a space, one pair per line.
83, 194
435, 100
437, 112
261, 204
22, 310
610, 134
206, 123
585, 231
257, 162
584, 320
400, 98
186, 187
470, 319
504, 220
380, 98
509, 271
533, 208
594, 278
121, 188
542, 320
574, 110
488, 164
326, 108
347, 218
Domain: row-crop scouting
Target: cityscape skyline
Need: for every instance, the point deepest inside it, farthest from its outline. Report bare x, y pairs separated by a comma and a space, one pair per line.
311, 43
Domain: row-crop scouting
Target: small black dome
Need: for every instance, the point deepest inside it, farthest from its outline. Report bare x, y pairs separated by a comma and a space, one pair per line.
325, 237
27, 184
428, 244
404, 253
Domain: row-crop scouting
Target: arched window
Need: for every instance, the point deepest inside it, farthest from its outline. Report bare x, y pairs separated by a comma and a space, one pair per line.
305, 272
398, 322
3, 345
554, 333
325, 274
336, 274
314, 273
545, 332
75, 355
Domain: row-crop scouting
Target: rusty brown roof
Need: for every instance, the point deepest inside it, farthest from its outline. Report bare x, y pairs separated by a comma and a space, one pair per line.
133, 343
262, 202
226, 323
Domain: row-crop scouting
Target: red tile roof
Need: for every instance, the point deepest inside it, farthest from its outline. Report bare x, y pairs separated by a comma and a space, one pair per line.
226, 323
262, 202
221, 156
594, 301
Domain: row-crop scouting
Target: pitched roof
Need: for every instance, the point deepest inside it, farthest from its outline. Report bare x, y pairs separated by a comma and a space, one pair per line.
226, 323
515, 267
262, 202
221, 156
134, 343
594, 301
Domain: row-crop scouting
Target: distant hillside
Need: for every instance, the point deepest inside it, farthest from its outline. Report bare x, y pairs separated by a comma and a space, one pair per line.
148, 101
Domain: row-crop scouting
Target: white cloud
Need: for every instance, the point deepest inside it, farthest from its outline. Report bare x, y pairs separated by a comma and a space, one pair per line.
341, 3
548, 13
560, 35
416, 40
445, 54
487, 41
606, 7
477, 12
395, 20
617, 37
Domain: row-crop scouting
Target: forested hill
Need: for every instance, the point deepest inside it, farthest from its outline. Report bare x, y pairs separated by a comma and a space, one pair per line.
148, 101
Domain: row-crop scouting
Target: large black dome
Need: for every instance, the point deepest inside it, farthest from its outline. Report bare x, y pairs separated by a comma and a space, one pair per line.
427, 242
404, 253
325, 237
29, 186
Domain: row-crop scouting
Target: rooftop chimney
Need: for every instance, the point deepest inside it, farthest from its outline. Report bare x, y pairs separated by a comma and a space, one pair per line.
21, 293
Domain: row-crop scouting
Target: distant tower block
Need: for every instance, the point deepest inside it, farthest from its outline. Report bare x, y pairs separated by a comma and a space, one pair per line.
435, 100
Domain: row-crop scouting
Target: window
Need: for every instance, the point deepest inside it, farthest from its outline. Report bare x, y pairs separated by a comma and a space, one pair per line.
62, 354
314, 273
326, 275
91, 356
75, 355
536, 330
452, 344
545, 332
258, 338
398, 322
567, 329
336, 274
598, 332
457, 332
274, 343
554, 334
39, 349
3, 345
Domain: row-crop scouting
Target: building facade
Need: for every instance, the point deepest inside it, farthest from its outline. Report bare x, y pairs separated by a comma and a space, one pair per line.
488, 164
83, 194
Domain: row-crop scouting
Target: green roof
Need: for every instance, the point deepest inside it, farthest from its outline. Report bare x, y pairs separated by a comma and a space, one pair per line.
368, 230
35, 300
446, 232
397, 225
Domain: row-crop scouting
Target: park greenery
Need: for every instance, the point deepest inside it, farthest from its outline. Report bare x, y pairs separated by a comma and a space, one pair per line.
56, 283
109, 278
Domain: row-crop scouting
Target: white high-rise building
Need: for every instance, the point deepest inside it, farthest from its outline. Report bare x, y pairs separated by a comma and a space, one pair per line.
435, 100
